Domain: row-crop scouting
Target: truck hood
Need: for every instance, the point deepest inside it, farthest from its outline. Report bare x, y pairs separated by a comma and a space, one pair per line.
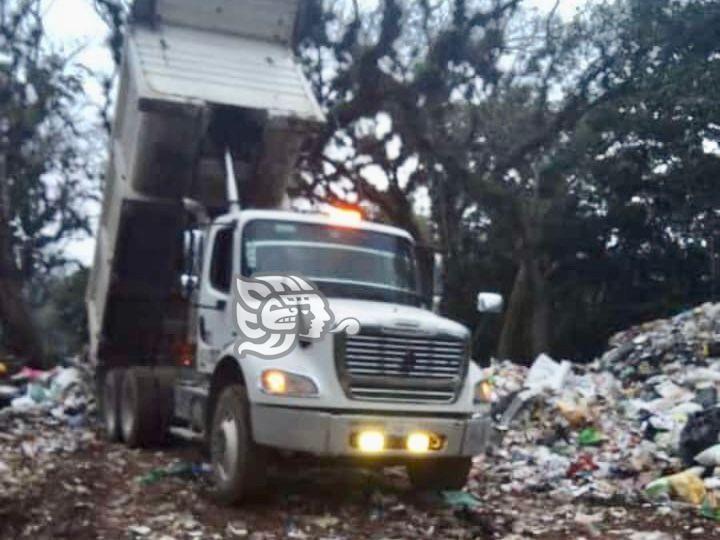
395, 318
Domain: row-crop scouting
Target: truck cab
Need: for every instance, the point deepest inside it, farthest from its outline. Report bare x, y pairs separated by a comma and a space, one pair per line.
402, 388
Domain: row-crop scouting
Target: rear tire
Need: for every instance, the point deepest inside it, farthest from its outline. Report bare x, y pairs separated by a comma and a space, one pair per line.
239, 465
439, 473
141, 422
111, 387
165, 401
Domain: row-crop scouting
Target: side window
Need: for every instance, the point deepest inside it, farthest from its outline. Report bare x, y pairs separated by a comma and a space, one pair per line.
221, 262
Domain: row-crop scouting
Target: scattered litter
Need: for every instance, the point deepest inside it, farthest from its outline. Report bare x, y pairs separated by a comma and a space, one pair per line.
325, 522
710, 510
460, 499
709, 457
546, 374
653, 535
583, 464
688, 486
139, 530
590, 437
35, 409
236, 529
179, 469
7, 393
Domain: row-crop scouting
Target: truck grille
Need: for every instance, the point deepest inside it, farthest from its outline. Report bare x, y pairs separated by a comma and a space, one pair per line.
403, 368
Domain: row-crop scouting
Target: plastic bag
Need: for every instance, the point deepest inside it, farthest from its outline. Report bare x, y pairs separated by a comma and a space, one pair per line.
590, 437
688, 486
577, 415
709, 457
658, 488
547, 374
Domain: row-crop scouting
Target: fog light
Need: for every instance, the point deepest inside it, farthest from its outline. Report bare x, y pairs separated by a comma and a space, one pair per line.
371, 441
274, 381
418, 443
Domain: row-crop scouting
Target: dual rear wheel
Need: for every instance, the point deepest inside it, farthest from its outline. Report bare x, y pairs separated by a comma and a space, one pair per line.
136, 406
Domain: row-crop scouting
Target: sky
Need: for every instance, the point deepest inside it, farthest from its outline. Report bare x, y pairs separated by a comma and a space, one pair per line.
74, 26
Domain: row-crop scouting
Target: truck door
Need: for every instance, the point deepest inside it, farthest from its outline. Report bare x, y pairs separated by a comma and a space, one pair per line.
215, 329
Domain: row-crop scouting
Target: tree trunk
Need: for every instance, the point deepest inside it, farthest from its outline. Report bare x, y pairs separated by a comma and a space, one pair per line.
19, 333
513, 337
540, 318
526, 328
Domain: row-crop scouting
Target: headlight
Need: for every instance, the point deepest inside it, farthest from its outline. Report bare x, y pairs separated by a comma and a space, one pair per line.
283, 383
484, 391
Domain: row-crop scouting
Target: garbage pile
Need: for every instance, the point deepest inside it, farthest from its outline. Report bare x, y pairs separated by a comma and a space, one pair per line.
641, 422
667, 346
42, 414
64, 392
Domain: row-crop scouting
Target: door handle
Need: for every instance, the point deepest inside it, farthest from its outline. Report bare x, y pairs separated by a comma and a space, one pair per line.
203, 330
218, 306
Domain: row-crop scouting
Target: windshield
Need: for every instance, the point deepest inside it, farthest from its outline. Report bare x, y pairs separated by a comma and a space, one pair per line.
341, 261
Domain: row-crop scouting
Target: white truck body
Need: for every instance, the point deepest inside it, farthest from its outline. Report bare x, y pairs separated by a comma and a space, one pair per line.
320, 424
199, 79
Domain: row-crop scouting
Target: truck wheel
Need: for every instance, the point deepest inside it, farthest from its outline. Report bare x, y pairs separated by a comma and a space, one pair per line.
165, 401
111, 386
439, 473
239, 465
140, 421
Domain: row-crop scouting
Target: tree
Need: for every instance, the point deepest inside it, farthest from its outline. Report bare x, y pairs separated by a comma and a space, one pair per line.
391, 81
48, 166
472, 129
607, 210
508, 117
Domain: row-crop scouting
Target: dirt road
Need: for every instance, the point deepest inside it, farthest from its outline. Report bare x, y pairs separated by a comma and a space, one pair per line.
98, 492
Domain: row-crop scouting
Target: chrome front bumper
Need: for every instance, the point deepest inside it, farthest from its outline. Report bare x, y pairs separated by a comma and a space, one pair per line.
329, 434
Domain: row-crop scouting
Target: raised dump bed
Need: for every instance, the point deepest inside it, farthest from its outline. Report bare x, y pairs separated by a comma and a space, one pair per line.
198, 78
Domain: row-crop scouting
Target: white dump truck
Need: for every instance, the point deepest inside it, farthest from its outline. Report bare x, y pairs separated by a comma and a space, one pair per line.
211, 113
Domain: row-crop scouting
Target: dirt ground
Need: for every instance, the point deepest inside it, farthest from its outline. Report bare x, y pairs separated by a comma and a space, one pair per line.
97, 492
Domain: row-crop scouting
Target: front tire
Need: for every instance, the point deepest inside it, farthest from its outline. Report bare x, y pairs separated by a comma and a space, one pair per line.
239, 465
439, 473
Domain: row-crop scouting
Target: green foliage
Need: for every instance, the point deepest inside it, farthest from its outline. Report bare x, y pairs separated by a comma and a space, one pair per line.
62, 318
49, 166
565, 163
51, 163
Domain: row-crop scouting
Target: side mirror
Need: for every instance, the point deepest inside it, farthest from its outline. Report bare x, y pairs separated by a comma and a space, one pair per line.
488, 302
188, 285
